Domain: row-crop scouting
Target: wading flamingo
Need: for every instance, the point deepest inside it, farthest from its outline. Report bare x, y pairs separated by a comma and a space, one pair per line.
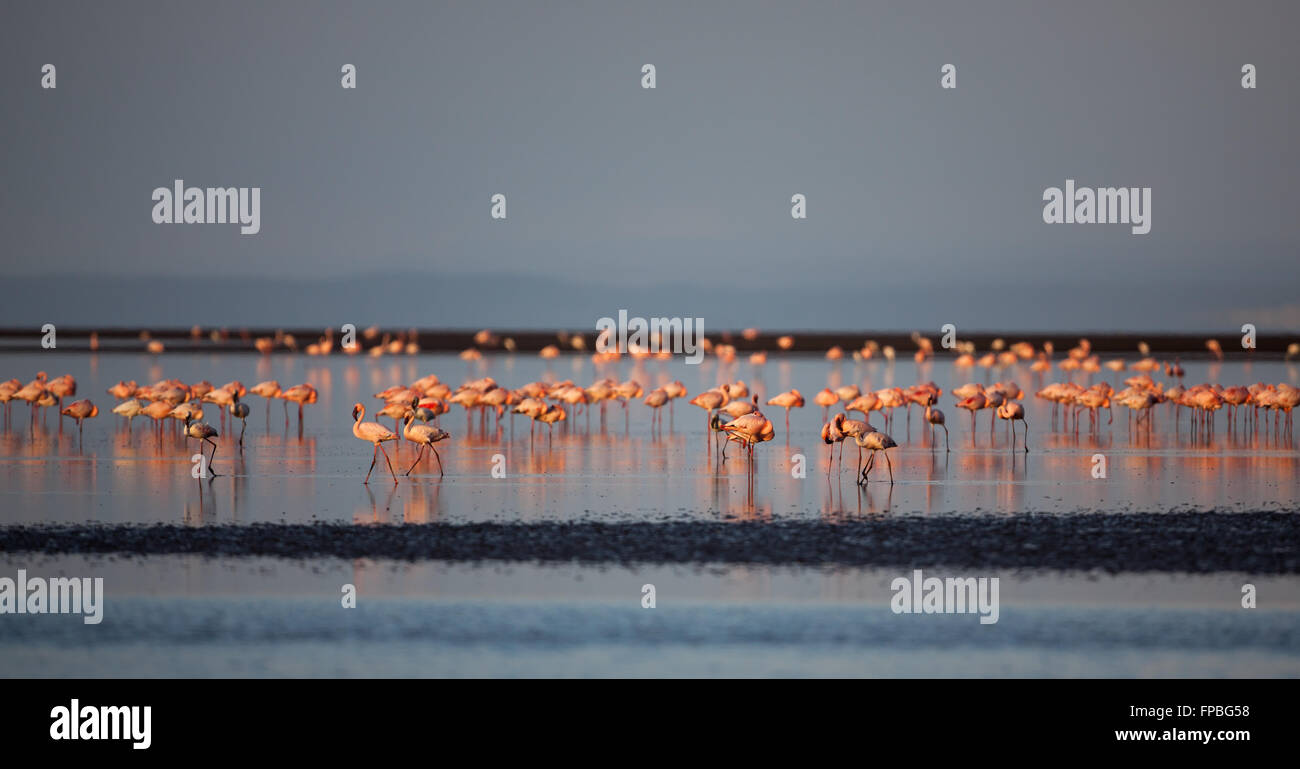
300, 394
853, 428
826, 399
1012, 410
79, 410
709, 400
203, 431
62, 387
791, 399
375, 433
875, 441
655, 400
935, 417
239, 410
751, 429
270, 389
129, 409
424, 435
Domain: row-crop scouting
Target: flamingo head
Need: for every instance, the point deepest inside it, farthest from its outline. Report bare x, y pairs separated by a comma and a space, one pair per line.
357, 411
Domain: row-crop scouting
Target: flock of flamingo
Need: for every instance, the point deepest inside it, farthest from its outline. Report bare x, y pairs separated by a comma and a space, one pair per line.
732, 413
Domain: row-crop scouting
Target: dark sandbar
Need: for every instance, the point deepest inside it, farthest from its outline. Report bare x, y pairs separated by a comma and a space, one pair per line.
1253, 543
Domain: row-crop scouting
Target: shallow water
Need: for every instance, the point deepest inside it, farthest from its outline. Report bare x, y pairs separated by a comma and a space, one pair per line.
622, 470
191, 616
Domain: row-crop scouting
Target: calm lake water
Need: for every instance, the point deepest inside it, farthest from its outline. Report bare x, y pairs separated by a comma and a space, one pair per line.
193, 616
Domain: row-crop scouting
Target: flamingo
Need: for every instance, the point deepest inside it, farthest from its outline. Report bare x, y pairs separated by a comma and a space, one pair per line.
32, 392
129, 409
831, 435
1012, 410
222, 398
655, 400
675, 390
397, 411
239, 409
875, 441
80, 410
973, 403
626, 391
864, 404
787, 400
737, 409
158, 411
62, 387
203, 432
847, 393
300, 394
993, 400
429, 408
826, 399
853, 428
7, 390
425, 436
716, 423
550, 416
375, 433
269, 390
123, 390
935, 417
710, 400
751, 429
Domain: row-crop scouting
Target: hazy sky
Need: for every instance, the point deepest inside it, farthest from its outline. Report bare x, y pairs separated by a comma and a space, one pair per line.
908, 185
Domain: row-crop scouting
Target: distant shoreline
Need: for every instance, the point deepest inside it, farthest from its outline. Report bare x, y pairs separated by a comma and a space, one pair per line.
243, 340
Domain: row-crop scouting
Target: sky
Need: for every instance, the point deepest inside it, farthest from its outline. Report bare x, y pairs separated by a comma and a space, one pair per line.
924, 204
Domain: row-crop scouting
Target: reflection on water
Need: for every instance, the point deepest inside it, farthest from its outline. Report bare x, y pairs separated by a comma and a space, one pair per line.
610, 463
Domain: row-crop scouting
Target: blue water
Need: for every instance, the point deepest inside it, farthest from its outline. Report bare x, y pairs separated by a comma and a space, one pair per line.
223, 636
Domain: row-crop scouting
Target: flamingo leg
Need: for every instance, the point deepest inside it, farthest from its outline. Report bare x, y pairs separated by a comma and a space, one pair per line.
373, 460
439, 459
890, 465
418, 455
390, 463
212, 460
866, 471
